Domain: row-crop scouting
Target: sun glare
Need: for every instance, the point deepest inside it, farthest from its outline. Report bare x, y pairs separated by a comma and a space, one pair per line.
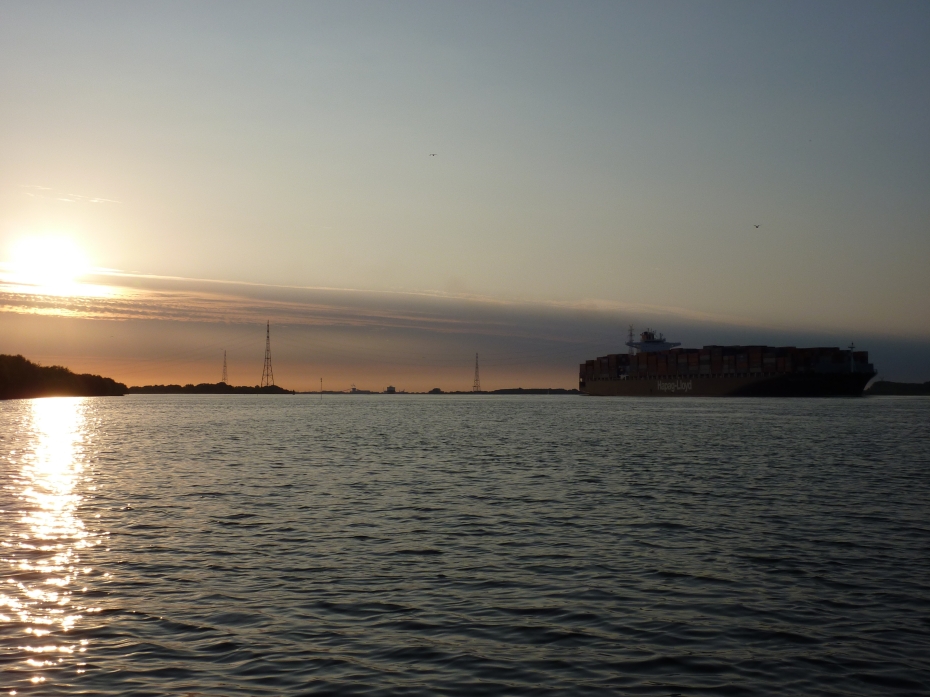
49, 265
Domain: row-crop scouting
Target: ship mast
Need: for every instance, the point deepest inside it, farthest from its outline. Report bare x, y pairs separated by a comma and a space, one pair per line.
630, 344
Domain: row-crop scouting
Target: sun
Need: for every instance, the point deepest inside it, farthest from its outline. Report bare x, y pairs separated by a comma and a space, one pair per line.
52, 265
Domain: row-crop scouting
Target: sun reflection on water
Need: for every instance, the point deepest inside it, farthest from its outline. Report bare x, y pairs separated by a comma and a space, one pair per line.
44, 538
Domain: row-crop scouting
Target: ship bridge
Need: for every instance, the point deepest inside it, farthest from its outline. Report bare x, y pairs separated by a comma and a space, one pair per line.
650, 343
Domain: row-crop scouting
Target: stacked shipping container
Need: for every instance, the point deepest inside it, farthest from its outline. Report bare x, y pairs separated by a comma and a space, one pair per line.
734, 361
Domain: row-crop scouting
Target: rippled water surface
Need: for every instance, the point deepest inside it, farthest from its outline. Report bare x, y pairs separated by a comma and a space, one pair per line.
255, 545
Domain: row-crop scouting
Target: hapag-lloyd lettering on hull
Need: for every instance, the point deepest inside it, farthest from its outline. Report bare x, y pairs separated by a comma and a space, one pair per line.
677, 386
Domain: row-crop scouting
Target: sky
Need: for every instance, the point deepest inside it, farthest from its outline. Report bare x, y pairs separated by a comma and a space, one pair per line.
399, 185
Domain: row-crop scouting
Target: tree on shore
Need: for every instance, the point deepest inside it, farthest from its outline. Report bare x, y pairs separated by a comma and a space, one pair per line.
22, 379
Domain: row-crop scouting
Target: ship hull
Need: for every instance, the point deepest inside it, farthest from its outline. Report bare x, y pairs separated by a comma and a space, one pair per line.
781, 385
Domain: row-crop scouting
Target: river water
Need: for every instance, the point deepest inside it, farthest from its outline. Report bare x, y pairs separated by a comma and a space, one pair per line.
464, 545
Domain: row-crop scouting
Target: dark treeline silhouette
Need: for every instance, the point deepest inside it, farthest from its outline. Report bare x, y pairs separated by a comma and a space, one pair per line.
886, 387
436, 390
511, 390
534, 390
207, 388
23, 379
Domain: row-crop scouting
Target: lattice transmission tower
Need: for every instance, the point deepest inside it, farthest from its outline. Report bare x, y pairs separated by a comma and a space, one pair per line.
476, 385
225, 376
267, 372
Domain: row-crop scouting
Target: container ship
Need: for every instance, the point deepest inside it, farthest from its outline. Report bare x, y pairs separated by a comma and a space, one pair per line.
654, 367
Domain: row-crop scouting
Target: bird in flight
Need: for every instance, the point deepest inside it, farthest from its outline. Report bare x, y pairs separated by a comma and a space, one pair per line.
432, 154
756, 226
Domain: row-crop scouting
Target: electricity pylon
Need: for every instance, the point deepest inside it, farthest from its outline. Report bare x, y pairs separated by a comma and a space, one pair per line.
225, 376
476, 385
267, 372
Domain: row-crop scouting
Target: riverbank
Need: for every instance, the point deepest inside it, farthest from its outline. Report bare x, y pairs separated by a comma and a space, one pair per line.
208, 388
20, 378
886, 387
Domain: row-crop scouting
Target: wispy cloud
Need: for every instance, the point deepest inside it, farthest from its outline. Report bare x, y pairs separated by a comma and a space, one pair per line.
45, 192
149, 297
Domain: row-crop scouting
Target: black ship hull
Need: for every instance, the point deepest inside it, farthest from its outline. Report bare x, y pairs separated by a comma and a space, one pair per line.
778, 385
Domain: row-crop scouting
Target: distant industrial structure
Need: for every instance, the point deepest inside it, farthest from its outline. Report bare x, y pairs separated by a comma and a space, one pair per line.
267, 372
225, 379
476, 385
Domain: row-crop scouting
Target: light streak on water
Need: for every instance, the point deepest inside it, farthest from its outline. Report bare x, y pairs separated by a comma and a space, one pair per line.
43, 540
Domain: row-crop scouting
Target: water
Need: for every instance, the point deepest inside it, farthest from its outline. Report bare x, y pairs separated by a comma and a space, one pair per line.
464, 545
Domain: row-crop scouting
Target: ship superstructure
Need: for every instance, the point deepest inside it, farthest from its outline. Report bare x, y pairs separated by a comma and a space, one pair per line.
650, 343
660, 368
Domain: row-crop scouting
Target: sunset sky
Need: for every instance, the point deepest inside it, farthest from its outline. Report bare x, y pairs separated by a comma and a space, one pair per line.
399, 185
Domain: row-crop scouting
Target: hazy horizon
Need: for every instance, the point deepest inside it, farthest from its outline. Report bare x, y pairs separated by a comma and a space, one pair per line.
144, 330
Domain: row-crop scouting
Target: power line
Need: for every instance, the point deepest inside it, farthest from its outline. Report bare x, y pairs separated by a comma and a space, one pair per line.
267, 372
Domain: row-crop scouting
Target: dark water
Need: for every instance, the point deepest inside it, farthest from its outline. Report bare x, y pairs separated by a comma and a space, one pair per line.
464, 546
